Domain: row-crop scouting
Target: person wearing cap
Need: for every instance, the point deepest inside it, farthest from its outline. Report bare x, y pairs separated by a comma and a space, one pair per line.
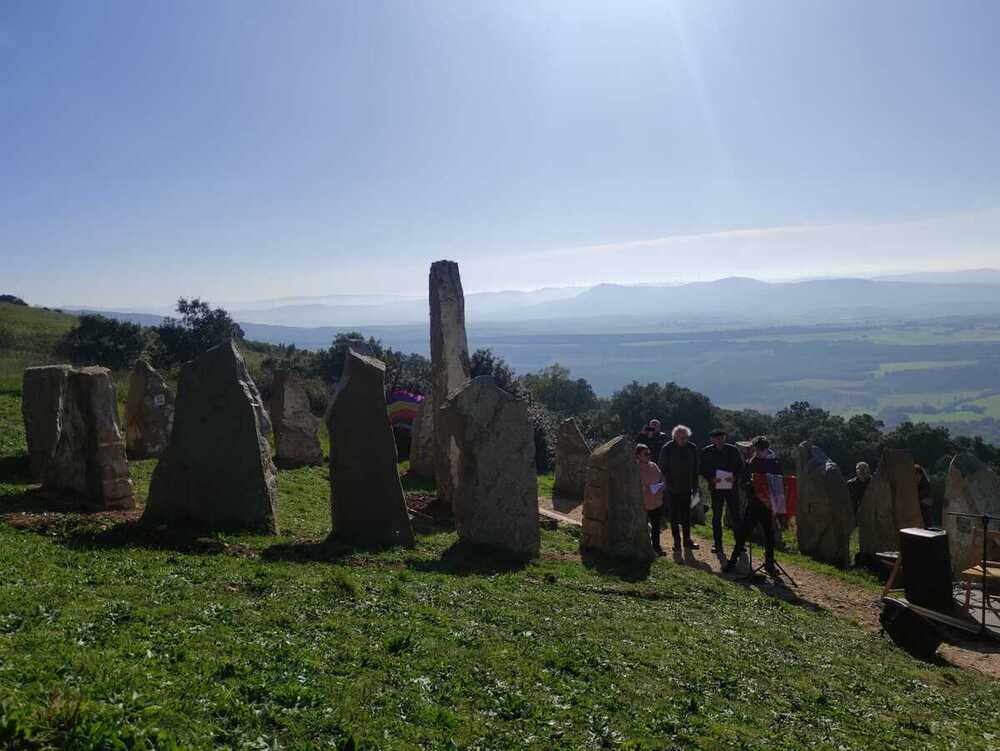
679, 462
654, 438
721, 465
763, 462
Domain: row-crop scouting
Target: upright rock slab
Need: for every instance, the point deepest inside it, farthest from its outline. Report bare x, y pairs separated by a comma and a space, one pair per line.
422, 440
493, 454
366, 499
614, 517
572, 456
87, 461
449, 361
972, 488
296, 429
217, 473
43, 395
825, 515
149, 412
890, 503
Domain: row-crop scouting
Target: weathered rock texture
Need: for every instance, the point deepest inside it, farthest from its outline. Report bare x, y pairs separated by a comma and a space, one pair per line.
825, 514
296, 429
366, 498
449, 361
422, 440
217, 473
890, 503
614, 518
77, 446
149, 412
973, 488
43, 394
493, 453
572, 455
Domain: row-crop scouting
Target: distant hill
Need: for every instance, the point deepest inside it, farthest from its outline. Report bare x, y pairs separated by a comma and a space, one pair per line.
968, 276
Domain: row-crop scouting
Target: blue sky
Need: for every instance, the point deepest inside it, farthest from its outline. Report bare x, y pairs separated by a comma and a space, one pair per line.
248, 150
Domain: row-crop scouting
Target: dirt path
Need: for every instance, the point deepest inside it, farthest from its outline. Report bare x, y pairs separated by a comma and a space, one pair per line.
843, 599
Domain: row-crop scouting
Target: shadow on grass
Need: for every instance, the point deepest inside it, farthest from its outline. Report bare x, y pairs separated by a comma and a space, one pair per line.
619, 568
15, 470
464, 559
134, 534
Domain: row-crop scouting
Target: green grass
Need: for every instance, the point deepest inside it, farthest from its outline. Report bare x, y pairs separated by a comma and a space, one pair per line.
29, 337
112, 637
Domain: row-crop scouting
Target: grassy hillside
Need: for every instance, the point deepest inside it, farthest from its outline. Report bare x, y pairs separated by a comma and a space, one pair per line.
114, 635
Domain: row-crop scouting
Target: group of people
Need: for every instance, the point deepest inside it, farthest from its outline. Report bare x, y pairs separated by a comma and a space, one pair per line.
670, 468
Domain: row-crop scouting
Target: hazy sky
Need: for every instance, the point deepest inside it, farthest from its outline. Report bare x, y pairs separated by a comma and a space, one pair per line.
244, 150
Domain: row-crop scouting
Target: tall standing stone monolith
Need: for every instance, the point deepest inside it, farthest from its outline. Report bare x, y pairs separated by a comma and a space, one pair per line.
495, 492
449, 361
43, 394
149, 412
422, 440
614, 517
572, 456
84, 452
296, 429
217, 473
890, 504
825, 517
366, 498
972, 488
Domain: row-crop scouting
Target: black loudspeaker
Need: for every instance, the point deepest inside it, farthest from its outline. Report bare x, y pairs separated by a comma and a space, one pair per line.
926, 567
912, 632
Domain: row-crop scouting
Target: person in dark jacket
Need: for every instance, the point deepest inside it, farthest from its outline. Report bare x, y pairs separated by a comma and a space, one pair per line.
679, 462
858, 484
721, 465
763, 462
655, 438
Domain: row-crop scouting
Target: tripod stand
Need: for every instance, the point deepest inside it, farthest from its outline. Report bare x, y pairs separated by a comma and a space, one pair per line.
754, 573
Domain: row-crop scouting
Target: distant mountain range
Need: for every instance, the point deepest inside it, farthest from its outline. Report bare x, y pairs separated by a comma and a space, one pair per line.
624, 307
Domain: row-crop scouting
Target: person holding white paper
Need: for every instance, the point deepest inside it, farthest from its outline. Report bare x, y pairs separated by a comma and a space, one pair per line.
652, 493
721, 465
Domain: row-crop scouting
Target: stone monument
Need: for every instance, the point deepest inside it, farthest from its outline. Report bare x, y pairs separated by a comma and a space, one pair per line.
572, 456
825, 515
149, 412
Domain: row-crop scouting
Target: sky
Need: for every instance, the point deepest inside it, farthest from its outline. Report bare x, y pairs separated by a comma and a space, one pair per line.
241, 150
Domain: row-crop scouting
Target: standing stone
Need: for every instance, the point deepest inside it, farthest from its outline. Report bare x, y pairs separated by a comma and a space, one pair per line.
87, 462
43, 394
572, 455
614, 517
493, 454
217, 473
972, 488
296, 429
890, 503
366, 498
825, 515
449, 362
422, 440
149, 412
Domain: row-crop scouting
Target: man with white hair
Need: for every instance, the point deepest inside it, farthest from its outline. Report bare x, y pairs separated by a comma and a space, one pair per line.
858, 484
679, 462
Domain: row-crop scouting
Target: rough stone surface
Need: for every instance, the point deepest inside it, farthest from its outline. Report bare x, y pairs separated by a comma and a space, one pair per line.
87, 462
296, 428
43, 394
890, 503
149, 412
422, 440
614, 518
217, 473
572, 455
366, 498
972, 488
493, 453
449, 361
825, 514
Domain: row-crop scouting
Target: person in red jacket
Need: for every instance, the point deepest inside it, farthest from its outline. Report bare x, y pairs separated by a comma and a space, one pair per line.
652, 493
764, 462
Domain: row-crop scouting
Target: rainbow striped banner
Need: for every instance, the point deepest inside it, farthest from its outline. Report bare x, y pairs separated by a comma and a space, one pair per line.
402, 407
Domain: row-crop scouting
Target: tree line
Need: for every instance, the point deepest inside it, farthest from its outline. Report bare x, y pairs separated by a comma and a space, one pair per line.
552, 393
